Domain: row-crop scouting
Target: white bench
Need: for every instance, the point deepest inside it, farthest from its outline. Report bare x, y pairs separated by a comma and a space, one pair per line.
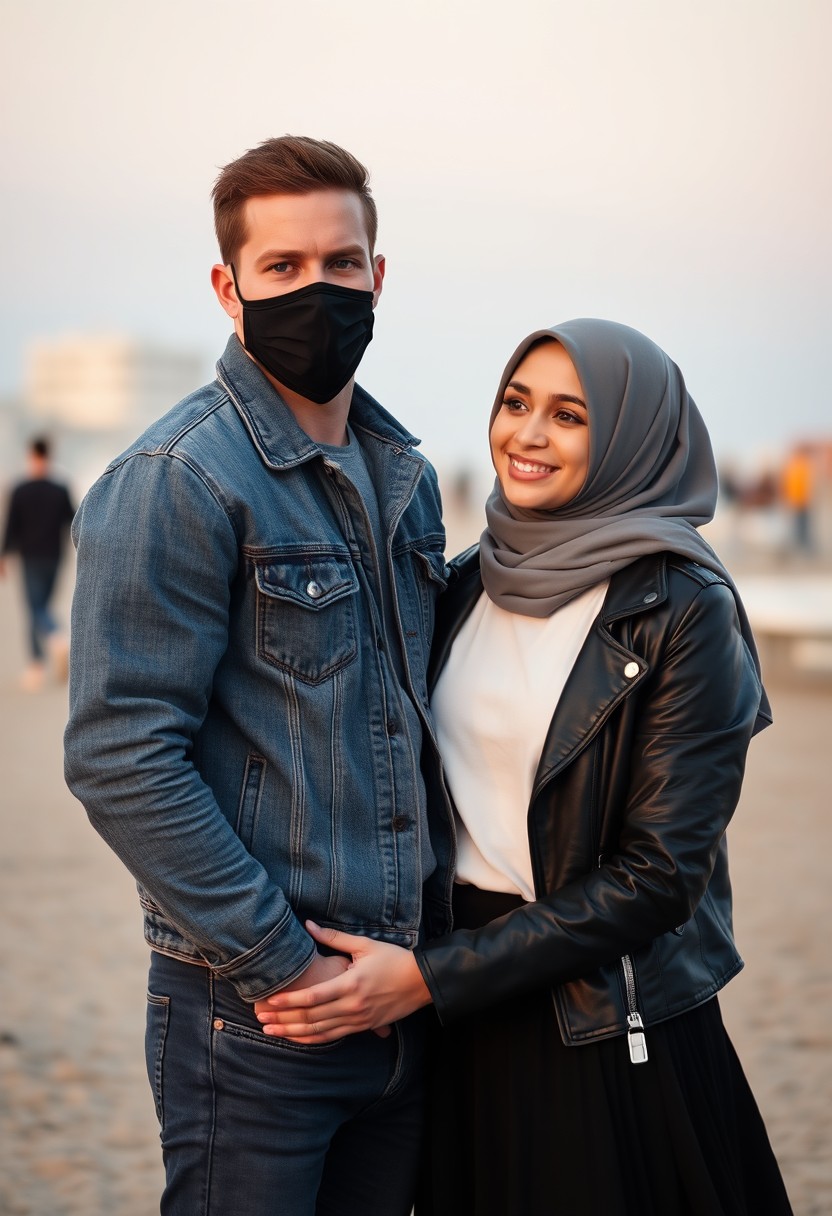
791, 616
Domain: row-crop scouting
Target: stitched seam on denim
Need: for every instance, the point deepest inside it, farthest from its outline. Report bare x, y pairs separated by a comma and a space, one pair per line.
336, 806
434, 542
212, 489
211, 486
170, 951
393, 812
401, 445
211, 1137
160, 1002
271, 1042
262, 601
261, 946
396, 1076
164, 448
298, 808
244, 414
253, 774
300, 550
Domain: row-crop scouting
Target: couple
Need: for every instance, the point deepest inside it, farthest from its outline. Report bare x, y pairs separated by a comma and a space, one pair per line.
353, 783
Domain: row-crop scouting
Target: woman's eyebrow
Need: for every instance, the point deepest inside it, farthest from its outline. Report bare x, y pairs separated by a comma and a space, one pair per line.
556, 397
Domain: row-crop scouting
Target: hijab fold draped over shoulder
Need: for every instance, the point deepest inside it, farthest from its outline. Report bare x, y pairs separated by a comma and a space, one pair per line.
651, 481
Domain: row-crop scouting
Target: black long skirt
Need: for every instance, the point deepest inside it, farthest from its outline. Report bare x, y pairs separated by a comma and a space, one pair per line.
521, 1125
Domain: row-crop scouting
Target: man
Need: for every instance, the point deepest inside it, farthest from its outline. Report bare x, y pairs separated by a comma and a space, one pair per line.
255, 598
40, 512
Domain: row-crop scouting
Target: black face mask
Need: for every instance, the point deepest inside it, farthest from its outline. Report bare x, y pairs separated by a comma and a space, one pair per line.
311, 339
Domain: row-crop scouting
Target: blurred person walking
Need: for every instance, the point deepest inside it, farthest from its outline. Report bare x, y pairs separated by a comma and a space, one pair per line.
797, 485
255, 599
39, 514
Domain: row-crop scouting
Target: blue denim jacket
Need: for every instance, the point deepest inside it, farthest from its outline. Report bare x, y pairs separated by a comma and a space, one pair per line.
232, 727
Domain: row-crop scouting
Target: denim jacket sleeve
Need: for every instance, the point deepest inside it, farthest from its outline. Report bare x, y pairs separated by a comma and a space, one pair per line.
157, 556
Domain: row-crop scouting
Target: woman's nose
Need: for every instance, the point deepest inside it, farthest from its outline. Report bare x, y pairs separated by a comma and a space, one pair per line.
531, 434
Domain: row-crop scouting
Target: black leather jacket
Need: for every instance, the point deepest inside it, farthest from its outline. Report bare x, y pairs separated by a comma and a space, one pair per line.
638, 779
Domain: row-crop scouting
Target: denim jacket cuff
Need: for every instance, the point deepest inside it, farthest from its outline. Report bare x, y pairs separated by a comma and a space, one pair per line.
277, 960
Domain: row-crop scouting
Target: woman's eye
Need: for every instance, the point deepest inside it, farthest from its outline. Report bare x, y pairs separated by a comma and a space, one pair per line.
513, 404
566, 416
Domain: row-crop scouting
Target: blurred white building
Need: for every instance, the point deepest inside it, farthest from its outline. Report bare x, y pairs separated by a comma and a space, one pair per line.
96, 393
95, 383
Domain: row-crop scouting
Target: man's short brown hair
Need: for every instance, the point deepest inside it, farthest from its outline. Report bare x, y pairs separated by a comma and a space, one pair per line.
290, 164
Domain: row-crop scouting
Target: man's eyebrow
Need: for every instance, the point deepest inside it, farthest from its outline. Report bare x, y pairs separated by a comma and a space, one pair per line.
348, 251
279, 255
297, 255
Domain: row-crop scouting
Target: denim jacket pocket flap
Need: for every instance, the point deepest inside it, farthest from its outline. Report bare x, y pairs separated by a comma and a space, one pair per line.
310, 581
433, 565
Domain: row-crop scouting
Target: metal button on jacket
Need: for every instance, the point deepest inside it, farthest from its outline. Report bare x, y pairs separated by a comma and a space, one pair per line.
651, 595
632, 669
314, 590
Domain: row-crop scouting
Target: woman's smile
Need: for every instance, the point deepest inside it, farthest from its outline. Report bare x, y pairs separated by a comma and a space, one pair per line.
528, 470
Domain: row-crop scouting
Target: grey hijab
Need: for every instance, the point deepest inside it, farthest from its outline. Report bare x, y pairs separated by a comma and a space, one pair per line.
651, 480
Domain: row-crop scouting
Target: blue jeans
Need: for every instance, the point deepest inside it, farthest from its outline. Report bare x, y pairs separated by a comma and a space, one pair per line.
254, 1125
39, 574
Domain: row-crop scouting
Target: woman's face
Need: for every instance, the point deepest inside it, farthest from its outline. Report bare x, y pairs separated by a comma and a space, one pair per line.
540, 435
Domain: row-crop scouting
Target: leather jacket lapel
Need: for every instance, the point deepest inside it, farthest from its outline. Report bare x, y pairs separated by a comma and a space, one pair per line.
605, 670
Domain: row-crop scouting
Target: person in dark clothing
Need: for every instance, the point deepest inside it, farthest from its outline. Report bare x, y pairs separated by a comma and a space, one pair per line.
40, 512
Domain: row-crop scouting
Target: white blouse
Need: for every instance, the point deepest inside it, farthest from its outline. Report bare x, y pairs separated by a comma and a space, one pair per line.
493, 704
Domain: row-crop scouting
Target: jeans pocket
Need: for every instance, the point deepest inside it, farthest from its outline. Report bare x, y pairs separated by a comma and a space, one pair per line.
156, 1033
273, 1042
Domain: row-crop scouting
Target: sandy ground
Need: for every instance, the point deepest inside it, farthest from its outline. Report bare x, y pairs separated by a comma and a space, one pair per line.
78, 1135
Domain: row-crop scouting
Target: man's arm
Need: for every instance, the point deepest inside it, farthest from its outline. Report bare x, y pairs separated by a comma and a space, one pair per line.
157, 555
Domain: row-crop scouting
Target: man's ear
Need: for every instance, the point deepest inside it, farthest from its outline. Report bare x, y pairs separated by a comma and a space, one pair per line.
379, 266
222, 282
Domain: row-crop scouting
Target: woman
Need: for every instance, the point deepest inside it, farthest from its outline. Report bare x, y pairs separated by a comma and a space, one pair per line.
596, 688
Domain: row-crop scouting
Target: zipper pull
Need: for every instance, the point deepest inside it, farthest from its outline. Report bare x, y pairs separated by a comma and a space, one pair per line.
636, 1041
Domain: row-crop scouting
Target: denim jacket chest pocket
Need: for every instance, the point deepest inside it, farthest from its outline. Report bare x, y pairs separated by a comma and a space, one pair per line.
307, 612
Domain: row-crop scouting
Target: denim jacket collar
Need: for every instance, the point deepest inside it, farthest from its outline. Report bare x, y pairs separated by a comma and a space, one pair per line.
281, 442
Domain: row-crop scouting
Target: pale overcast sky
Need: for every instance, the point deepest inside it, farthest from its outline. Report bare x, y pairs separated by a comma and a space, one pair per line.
661, 163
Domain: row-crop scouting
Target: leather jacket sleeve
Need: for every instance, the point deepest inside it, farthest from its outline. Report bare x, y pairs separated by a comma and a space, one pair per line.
684, 762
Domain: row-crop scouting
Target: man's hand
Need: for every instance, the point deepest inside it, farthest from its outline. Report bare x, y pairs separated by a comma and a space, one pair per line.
382, 984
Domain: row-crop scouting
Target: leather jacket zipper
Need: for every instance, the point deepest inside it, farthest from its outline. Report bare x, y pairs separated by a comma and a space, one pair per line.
636, 1040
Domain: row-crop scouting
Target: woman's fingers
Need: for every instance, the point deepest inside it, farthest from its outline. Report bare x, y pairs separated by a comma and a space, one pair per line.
305, 998
322, 1031
344, 943
321, 1014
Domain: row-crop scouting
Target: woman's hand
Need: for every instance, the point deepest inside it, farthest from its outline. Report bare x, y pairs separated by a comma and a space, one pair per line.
382, 984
